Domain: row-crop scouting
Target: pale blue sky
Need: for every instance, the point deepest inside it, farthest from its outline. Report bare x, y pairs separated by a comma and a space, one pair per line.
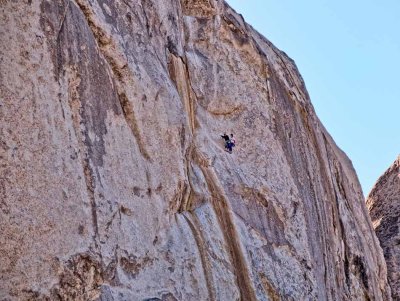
348, 53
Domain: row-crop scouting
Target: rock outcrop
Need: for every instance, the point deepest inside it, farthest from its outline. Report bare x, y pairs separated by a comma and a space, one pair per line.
384, 206
114, 182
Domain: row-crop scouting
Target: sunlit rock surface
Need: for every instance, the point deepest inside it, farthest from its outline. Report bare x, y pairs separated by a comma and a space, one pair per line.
384, 206
114, 182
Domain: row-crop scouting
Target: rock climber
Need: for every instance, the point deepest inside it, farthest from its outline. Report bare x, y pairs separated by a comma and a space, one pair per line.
229, 142
232, 141
226, 138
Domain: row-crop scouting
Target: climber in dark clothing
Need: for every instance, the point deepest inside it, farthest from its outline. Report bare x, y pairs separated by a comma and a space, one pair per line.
229, 142
226, 137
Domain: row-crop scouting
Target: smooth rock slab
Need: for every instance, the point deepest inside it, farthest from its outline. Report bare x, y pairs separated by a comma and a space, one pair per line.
114, 182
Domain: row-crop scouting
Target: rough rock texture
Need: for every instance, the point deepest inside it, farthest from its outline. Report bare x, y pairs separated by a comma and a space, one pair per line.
384, 207
113, 179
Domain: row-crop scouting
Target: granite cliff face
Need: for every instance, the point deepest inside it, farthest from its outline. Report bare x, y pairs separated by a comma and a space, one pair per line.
384, 206
114, 183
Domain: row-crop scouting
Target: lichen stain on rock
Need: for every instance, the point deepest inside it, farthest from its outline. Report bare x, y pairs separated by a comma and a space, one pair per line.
90, 86
80, 279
